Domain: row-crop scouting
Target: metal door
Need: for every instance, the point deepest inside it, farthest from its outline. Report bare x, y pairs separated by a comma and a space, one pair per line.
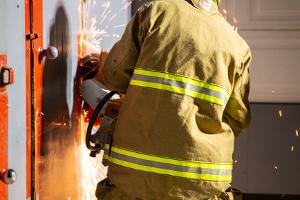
15, 121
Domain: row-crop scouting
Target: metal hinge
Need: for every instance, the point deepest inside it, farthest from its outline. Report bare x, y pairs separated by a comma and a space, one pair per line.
6, 76
32, 36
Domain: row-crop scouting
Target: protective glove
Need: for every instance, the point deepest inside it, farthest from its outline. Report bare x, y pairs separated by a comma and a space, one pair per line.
94, 64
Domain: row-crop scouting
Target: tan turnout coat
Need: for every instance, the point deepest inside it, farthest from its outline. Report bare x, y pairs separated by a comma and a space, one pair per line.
185, 72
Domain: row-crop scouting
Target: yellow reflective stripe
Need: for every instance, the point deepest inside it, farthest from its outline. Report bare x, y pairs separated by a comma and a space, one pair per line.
166, 171
182, 79
169, 160
177, 90
181, 85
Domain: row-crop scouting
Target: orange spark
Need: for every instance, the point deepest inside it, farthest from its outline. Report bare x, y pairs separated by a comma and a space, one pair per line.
112, 17
292, 148
280, 113
235, 20
126, 5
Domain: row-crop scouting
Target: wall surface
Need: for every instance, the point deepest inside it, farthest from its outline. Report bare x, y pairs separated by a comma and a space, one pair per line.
272, 29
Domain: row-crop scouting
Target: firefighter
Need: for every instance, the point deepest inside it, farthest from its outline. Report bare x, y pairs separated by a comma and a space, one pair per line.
185, 72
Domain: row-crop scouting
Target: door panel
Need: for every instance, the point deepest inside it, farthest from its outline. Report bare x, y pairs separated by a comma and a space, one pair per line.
12, 44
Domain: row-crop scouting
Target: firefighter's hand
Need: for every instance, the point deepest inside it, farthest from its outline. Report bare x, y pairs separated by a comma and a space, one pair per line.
113, 106
93, 64
91, 60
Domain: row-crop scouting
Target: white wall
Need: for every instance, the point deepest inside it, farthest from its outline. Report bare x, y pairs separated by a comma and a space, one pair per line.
272, 29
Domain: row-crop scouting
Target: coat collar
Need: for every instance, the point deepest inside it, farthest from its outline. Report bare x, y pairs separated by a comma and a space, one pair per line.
208, 5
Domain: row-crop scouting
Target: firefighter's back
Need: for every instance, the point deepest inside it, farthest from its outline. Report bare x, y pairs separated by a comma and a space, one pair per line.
171, 141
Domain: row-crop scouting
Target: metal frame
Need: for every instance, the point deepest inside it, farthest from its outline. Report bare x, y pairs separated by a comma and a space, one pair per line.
3, 131
33, 27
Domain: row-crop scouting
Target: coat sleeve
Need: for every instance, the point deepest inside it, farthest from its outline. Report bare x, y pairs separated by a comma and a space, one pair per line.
122, 58
237, 112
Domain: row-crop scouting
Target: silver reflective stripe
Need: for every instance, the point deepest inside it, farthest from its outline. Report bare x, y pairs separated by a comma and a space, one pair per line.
168, 166
225, 172
180, 84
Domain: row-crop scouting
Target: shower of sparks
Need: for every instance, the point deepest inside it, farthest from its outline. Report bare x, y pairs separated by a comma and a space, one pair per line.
127, 4
112, 17
92, 171
93, 31
91, 35
118, 26
280, 113
116, 35
59, 124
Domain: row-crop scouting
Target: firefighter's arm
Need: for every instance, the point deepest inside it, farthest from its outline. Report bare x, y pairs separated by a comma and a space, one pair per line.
121, 60
237, 112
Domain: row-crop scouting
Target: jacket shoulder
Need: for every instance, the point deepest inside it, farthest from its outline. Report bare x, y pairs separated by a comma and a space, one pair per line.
162, 4
227, 32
